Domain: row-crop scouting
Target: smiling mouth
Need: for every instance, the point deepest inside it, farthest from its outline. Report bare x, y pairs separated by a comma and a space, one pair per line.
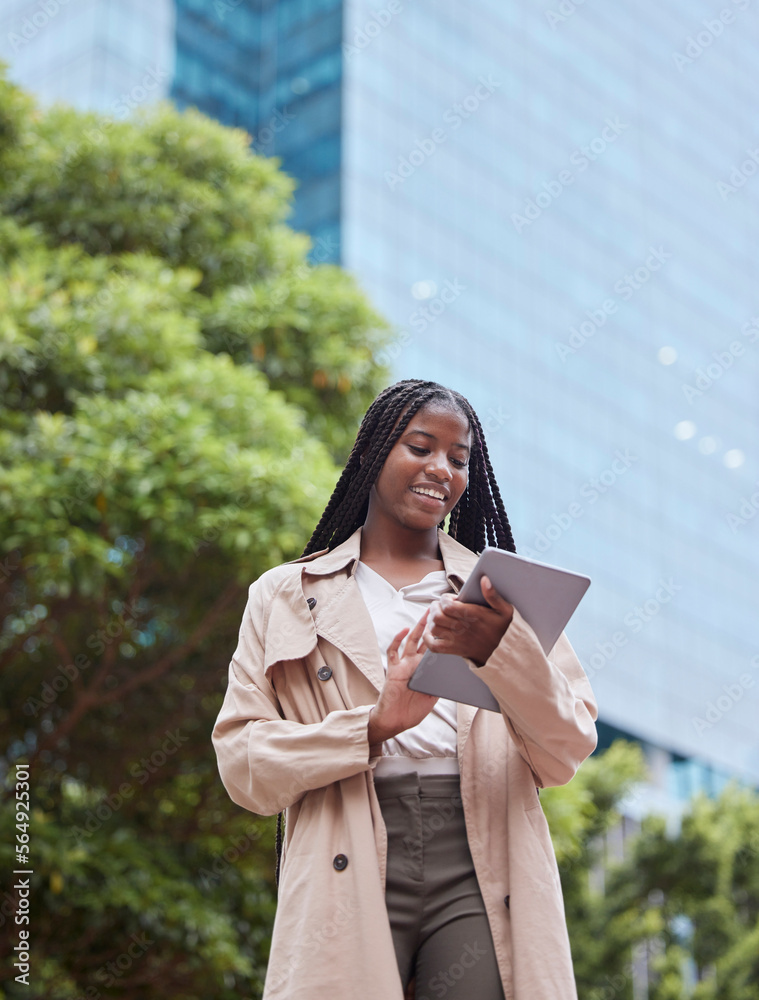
427, 492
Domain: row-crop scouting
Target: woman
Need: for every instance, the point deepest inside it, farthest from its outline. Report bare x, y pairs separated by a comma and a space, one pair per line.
415, 847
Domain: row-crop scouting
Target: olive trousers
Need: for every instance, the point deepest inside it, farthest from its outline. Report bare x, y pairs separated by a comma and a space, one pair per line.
440, 928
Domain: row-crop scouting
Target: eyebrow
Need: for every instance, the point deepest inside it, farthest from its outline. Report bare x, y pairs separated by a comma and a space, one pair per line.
432, 437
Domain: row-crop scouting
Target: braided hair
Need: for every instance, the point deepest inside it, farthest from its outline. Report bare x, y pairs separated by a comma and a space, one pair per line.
478, 519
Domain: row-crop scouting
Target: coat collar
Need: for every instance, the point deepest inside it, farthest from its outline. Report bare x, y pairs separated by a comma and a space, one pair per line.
457, 559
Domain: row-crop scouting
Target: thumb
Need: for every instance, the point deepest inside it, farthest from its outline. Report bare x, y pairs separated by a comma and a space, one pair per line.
493, 598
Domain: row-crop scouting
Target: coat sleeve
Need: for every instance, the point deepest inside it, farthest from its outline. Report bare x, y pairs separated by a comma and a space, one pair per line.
547, 702
266, 762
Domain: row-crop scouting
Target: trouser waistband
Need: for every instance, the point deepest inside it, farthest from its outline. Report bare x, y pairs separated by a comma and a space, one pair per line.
422, 765
396, 786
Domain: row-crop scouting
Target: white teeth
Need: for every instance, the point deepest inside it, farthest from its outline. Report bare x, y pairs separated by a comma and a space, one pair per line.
428, 493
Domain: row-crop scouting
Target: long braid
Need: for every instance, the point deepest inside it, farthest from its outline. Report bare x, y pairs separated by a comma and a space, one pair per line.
486, 521
278, 847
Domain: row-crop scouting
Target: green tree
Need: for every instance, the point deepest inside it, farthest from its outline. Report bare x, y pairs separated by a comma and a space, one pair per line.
700, 884
176, 384
581, 815
684, 900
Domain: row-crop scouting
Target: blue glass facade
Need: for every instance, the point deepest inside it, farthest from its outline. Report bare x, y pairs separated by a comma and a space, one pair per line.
540, 197
273, 69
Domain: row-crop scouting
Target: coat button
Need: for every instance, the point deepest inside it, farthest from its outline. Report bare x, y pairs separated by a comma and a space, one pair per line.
311, 602
340, 862
506, 901
324, 673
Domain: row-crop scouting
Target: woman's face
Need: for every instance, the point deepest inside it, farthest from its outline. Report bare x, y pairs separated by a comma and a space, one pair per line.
426, 471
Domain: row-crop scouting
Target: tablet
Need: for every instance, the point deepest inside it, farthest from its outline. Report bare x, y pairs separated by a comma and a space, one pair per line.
545, 596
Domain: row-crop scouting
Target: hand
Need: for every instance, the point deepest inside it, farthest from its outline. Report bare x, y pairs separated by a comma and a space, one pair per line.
398, 707
469, 630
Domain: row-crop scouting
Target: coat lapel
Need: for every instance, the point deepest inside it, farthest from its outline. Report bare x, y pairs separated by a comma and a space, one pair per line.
340, 615
290, 630
343, 619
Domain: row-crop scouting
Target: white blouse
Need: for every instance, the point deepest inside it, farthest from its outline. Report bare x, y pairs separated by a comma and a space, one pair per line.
391, 611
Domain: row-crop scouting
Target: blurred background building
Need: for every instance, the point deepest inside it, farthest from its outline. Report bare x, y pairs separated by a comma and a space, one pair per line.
555, 204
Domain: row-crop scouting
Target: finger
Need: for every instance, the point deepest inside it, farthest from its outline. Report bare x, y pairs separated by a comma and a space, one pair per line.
442, 629
416, 632
452, 608
395, 645
435, 634
415, 635
445, 609
457, 621
433, 642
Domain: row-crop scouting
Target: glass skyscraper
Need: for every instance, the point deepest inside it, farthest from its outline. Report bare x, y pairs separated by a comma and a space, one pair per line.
556, 205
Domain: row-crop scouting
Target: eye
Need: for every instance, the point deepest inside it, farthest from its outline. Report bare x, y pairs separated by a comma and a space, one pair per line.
417, 450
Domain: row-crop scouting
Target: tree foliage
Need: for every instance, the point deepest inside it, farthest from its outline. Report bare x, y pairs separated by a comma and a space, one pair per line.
177, 382
679, 902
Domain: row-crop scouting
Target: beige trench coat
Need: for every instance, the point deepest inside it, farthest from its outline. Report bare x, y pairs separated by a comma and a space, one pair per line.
292, 735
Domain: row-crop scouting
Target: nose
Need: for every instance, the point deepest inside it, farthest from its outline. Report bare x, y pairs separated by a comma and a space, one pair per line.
438, 466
